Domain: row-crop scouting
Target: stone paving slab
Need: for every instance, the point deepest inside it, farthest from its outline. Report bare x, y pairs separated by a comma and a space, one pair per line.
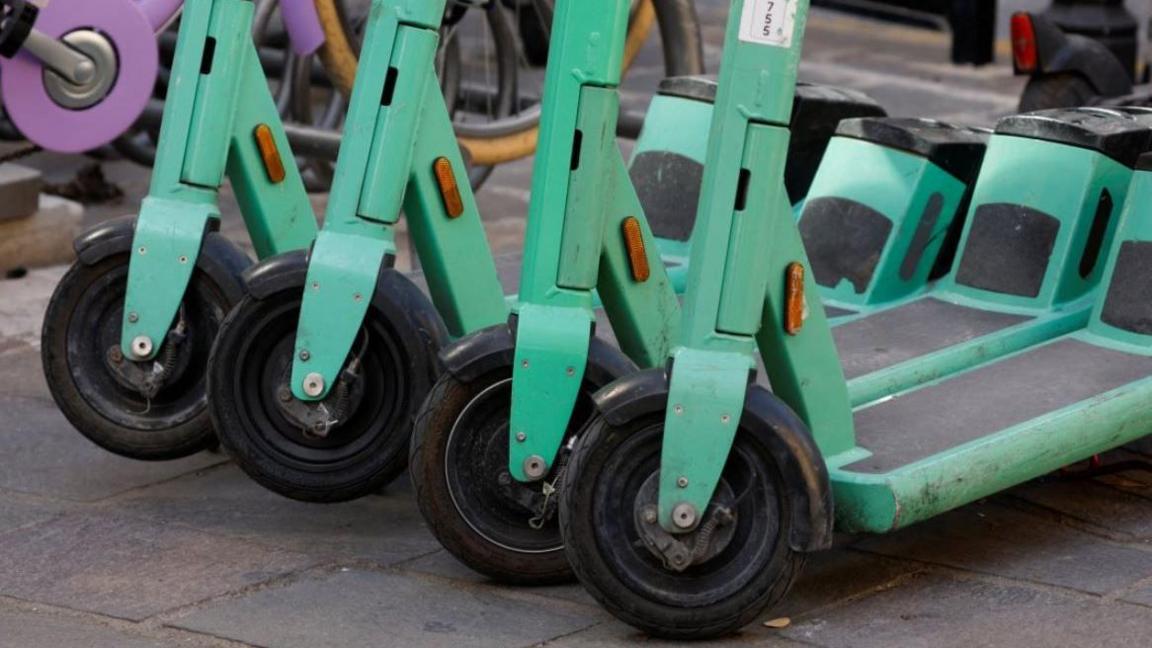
1118, 513
45, 455
129, 568
25, 629
611, 633
18, 510
932, 611
384, 529
1141, 596
362, 608
993, 539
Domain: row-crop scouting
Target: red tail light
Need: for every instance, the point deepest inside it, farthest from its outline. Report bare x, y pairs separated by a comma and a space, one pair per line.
1024, 43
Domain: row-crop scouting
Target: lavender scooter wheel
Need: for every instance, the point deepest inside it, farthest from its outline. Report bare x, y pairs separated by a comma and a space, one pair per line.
116, 26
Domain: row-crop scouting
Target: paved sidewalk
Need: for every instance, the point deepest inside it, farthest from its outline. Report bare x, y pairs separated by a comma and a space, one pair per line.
97, 551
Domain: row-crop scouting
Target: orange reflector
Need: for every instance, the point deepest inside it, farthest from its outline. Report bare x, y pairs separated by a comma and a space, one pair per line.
270, 153
794, 305
449, 190
637, 252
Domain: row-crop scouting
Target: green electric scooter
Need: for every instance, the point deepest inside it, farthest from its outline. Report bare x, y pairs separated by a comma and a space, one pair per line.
490, 526
127, 333
691, 499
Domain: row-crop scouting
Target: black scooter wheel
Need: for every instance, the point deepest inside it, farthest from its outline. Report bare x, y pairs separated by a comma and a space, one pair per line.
499, 527
1068, 90
362, 444
124, 406
745, 568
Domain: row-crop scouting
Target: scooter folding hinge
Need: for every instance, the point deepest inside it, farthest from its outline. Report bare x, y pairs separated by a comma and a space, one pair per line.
705, 404
551, 356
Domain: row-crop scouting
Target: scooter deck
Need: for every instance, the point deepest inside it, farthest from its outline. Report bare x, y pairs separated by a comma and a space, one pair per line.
979, 431
914, 330
980, 403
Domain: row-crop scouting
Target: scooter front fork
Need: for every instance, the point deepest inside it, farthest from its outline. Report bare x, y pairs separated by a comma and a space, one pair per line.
399, 150
219, 118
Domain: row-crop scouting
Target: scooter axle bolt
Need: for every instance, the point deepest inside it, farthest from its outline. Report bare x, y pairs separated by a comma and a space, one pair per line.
142, 346
313, 384
535, 467
684, 516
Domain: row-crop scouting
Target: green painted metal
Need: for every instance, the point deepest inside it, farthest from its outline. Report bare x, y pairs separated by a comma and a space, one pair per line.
1069, 189
350, 251
900, 186
454, 254
278, 215
397, 129
578, 182
743, 211
208, 126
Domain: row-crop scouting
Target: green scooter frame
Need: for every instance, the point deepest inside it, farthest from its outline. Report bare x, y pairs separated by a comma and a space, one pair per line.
330, 462
129, 328
316, 373
675, 565
490, 442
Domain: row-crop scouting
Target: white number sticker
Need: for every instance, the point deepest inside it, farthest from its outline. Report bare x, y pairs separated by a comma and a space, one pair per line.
768, 22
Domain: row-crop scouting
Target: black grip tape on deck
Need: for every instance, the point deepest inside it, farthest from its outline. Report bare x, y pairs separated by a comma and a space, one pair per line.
668, 185
844, 240
1128, 305
1008, 249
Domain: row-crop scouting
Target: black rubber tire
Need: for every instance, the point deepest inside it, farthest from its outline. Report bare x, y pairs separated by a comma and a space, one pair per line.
175, 424
669, 605
364, 455
1065, 90
432, 436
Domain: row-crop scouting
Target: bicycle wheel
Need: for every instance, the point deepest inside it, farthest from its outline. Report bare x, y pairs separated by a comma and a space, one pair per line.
502, 139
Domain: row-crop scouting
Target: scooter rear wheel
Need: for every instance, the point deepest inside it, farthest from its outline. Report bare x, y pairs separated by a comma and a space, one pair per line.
124, 406
370, 410
745, 566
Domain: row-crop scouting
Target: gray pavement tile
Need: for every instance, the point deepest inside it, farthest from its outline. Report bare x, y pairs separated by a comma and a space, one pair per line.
1141, 596
21, 375
130, 568
1125, 514
358, 608
831, 576
18, 510
994, 539
935, 612
383, 528
614, 633
445, 565
24, 629
44, 455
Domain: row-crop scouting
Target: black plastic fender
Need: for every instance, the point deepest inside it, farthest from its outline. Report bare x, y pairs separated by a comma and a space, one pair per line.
1059, 53
219, 258
490, 349
801, 465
